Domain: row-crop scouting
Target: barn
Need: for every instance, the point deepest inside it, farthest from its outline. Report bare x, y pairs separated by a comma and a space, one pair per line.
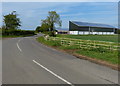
77, 28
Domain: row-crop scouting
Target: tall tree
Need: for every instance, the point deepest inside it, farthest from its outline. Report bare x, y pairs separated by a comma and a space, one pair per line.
11, 21
38, 29
53, 19
44, 26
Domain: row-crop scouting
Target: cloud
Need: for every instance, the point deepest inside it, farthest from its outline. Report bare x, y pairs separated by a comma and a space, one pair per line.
31, 13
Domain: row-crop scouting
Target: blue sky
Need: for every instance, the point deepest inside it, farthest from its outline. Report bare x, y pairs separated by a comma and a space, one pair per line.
31, 13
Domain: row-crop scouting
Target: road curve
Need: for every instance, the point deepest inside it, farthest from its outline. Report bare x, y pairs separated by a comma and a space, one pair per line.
25, 61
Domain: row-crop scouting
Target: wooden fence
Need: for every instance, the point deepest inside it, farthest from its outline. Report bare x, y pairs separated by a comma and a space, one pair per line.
86, 44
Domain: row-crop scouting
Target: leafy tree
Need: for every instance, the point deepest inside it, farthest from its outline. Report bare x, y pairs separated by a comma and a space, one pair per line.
11, 21
49, 23
53, 19
38, 29
45, 26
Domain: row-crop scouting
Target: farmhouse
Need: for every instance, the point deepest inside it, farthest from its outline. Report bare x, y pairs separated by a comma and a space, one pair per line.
77, 28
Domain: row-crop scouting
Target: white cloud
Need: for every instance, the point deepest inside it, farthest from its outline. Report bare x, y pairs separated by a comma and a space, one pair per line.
32, 13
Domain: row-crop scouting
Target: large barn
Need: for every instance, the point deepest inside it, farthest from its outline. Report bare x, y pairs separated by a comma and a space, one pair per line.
90, 28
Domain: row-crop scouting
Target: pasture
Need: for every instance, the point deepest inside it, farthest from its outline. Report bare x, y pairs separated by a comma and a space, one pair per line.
93, 49
107, 38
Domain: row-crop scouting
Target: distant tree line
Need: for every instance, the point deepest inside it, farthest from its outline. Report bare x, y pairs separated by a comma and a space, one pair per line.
11, 25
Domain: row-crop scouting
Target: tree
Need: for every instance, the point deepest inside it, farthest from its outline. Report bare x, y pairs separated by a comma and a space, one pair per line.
38, 29
49, 23
44, 26
53, 19
11, 21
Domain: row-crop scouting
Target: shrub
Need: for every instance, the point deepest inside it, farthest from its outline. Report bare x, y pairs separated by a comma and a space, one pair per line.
52, 33
17, 32
100, 49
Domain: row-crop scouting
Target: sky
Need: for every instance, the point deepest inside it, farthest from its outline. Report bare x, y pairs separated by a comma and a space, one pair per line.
31, 13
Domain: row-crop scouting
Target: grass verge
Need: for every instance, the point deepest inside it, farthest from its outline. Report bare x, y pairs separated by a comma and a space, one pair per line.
109, 57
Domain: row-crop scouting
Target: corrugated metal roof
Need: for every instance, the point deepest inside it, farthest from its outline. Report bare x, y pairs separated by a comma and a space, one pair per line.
92, 24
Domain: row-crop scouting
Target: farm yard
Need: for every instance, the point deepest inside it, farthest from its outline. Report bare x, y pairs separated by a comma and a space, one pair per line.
101, 47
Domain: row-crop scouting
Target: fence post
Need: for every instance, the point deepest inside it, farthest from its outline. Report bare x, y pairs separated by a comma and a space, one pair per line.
94, 44
110, 47
62, 42
69, 43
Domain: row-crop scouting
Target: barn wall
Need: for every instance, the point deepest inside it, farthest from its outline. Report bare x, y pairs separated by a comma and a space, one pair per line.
87, 32
74, 32
98, 29
75, 29
72, 27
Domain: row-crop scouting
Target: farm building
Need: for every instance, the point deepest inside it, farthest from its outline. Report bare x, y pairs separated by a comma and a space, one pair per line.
90, 28
62, 31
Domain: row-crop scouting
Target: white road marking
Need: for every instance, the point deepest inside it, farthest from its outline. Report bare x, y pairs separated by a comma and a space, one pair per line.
18, 45
53, 73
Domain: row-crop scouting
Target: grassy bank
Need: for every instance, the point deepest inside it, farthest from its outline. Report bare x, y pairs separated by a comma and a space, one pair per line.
111, 57
108, 56
50, 43
108, 38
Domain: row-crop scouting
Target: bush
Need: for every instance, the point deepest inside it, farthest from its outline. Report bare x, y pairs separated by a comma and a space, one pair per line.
52, 33
17, 32
100, 49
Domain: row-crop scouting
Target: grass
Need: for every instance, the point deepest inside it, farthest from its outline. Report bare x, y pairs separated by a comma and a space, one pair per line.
108, 38
50, 43
111, 57
100, 54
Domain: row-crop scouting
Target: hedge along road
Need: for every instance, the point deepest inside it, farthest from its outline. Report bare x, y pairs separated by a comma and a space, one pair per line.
25, 61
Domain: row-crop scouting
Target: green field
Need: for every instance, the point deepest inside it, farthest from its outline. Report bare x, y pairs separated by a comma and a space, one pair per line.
107, 38
100, 54
111, 57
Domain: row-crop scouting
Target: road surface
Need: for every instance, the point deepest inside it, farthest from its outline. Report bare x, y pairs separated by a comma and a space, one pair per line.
25, 61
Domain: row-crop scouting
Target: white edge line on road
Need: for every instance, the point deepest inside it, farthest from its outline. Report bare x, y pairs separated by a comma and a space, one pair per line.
53, 73
18, 45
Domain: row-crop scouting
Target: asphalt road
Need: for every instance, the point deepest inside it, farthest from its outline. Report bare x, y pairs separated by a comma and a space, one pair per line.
25, 61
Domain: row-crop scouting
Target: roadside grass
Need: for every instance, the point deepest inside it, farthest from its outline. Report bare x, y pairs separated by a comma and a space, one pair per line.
107, 38
111, 57
100, 54
49, 42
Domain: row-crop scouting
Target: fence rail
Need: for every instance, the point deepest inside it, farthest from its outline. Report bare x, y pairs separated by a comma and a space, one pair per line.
78, 43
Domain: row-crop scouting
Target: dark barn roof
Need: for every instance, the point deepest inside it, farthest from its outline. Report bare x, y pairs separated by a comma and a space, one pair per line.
92, 24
